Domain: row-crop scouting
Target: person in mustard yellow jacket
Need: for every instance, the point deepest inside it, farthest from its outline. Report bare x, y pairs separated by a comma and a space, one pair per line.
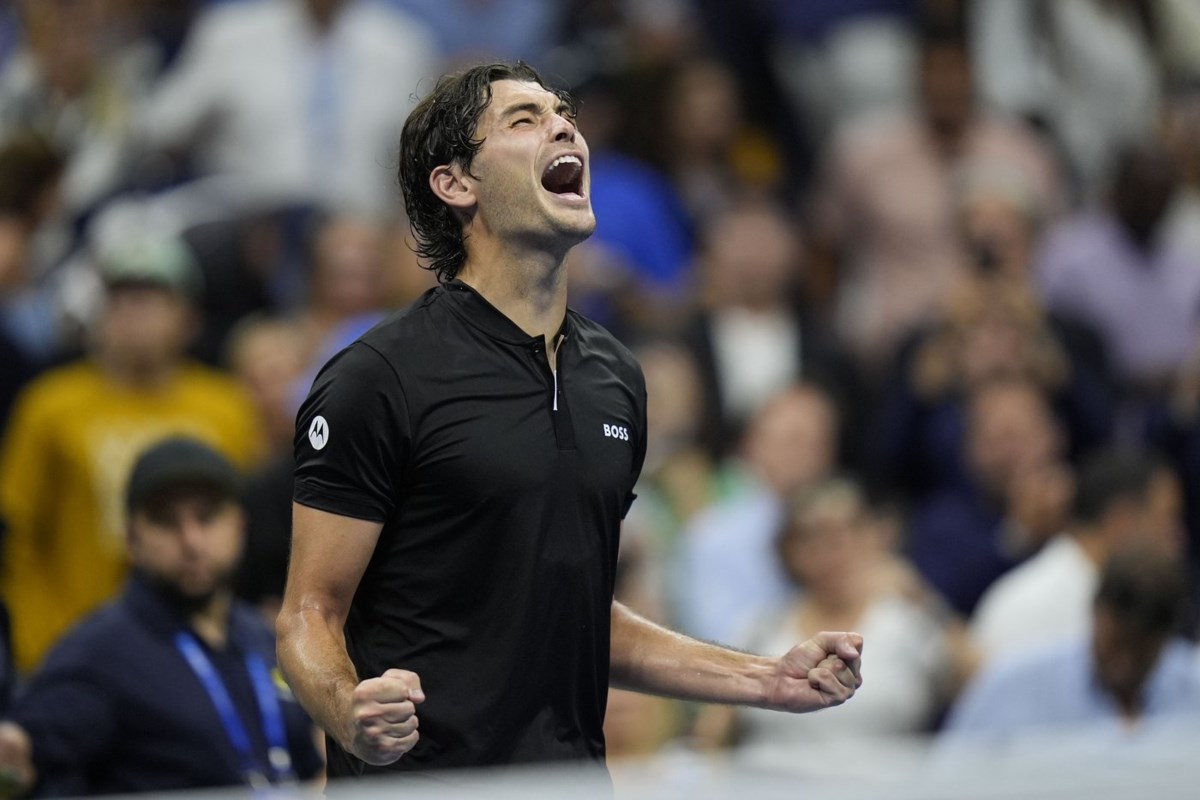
76, 430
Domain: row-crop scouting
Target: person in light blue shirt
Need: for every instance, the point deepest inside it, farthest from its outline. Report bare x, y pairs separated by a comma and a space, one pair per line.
1131, 676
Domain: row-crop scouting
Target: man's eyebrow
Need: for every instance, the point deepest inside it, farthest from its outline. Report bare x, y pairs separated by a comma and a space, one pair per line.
560, 107
529, 106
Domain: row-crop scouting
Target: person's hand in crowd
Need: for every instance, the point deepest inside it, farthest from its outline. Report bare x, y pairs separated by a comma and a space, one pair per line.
822, 672
384, 716
17, 774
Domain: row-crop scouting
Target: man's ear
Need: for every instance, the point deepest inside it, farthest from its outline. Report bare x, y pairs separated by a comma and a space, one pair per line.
454, 187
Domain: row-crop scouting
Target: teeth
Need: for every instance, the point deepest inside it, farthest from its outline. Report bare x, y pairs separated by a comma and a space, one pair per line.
566, 160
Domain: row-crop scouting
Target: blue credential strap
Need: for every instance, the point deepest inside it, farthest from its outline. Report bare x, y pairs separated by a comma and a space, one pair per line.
268, 705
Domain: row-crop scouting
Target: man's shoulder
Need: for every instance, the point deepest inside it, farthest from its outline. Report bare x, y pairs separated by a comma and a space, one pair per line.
596, 340
93, 642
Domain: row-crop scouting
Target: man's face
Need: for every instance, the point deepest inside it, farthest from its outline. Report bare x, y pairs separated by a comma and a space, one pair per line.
531, 174
189, 540
145, 325
793, 440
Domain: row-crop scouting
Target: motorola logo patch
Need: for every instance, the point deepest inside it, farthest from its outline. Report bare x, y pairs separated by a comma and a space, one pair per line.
318, 433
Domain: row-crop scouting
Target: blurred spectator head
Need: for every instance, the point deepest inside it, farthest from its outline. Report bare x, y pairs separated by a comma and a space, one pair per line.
1001, 216
441, 131
1126, 497
1144, 183
992, 328
186, 527
792, 441
31, 170
1140, 604
266, 354
1011, 430
752, 256
348, 269
148, 317
827, 536
703, 113
945, 80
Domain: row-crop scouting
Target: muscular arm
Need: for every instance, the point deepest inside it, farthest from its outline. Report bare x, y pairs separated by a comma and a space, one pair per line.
824, 671
374, 719
329, 554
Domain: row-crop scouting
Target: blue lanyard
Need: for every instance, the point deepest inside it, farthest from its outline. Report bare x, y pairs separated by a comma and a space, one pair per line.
268, 706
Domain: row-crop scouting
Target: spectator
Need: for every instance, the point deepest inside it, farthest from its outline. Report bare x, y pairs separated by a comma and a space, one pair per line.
301, 100
171, 685
730, 575
693, 129
1125, 678
753, 337
1089, 70
887, 208
837, 554
75, 430
1122, 499
964, 537
30, 176
76, 80
1113, 270
991, 329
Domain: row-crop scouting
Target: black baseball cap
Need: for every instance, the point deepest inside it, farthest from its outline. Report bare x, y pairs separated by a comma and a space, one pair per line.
179, 462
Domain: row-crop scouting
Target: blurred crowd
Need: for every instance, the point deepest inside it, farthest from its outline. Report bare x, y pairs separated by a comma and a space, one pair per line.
915, 285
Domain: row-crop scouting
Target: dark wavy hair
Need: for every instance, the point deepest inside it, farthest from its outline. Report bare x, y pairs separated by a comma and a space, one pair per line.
441, 130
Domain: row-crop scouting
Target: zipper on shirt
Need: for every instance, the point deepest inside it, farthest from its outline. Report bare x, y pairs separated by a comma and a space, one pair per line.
560, 414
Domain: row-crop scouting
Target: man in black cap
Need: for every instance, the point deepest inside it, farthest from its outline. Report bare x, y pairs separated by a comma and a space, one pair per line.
174, 684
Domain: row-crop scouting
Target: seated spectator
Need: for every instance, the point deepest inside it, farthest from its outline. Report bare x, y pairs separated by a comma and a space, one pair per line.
300, 100
753, 337
991, 329
1114, 270
837, 554
1123, 679
75, 430
1121, 499
174, 684
729, 574
964, 537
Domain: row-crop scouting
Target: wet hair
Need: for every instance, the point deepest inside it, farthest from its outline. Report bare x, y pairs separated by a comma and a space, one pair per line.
1145, 590
439, 131
1110, 476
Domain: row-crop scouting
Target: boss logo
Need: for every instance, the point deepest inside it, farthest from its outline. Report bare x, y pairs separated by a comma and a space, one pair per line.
617, 432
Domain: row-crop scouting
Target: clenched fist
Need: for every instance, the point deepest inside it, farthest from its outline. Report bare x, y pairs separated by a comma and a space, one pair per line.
384, 716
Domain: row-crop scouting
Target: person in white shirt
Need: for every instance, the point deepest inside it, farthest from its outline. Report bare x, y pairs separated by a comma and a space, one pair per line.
301, 100
1121, 498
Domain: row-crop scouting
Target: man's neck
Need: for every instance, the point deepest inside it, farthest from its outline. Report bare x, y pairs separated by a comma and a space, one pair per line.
529, 289
211, 623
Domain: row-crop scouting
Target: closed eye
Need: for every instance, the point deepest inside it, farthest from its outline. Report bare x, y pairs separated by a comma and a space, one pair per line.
522, 121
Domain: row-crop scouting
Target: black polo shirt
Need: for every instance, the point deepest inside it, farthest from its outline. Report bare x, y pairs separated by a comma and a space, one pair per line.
501, 488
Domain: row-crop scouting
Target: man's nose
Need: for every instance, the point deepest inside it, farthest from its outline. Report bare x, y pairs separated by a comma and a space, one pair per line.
563, 129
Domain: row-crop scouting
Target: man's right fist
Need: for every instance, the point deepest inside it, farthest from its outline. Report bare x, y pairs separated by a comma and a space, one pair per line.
384, 716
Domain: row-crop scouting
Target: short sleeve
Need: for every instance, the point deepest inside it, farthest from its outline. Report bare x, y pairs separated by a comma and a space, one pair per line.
639, 456
353, 439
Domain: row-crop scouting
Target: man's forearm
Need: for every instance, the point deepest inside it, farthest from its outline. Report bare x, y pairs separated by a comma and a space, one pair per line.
649, 658
312, 655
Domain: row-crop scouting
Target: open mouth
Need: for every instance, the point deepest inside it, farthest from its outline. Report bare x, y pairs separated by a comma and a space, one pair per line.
564, 176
